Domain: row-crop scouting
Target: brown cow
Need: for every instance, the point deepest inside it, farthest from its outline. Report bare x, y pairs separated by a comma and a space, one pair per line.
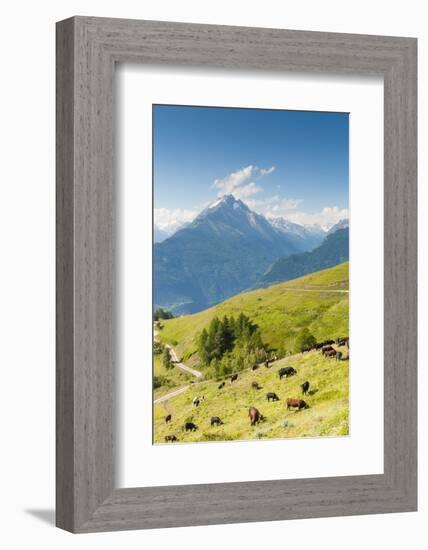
299, 404
170, 438
254, 415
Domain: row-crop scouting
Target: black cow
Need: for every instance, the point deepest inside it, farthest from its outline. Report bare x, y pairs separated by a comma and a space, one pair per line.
233, 377
342, 341
255, 385
328, 342
170, 438
215, 421
168, 418
286, 371
190, 427
271, 396
222, 385
255, 366
305, 387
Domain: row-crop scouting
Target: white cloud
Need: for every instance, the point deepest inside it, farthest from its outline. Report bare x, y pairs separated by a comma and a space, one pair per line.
266, 171
274, 206
326, 218
247, 190
238, 183
282, 207
169, 219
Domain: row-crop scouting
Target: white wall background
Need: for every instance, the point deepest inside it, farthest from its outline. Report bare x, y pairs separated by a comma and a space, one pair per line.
27, 270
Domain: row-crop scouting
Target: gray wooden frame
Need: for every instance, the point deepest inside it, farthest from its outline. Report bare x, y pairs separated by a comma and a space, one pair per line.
87, 50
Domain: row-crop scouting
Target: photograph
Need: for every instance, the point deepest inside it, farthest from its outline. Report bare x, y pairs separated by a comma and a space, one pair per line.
250, 274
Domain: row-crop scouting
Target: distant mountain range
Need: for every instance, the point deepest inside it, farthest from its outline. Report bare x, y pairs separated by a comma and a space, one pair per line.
303, 237
333, 251
224, 251
342, 224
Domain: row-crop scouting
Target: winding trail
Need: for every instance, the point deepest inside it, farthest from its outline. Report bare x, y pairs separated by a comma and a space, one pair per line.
171, 394
180, 365
315, 290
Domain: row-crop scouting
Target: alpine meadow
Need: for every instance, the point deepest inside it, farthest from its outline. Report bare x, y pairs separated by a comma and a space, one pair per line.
250, 274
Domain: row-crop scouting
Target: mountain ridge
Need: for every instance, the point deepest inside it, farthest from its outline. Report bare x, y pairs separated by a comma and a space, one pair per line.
333, 250
225, 250
222, 252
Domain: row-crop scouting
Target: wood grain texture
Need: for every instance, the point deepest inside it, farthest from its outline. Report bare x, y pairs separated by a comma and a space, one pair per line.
87, 49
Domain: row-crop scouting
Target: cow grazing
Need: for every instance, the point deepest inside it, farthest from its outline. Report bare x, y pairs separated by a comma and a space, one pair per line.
326, 349
342, 341
190, 427
255, 385
215, 421
267, 363
222, 385
305, 387
271, 396
298, 404
168, 418
330, 353
286, 371
198, 400
339, 356
233, 377
170, 438
254, 415
255, 366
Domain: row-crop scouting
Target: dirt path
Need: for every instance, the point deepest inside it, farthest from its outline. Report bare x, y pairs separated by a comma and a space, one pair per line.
314, 290
182, 366
170, 395
178, 363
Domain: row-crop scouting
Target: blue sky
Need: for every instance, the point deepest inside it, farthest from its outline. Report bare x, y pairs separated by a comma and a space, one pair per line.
281, 163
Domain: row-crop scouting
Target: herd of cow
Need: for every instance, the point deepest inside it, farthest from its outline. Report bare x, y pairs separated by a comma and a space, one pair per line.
328, 350
254, 414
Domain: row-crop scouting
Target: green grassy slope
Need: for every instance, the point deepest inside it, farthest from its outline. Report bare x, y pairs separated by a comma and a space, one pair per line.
327, 415
279, 311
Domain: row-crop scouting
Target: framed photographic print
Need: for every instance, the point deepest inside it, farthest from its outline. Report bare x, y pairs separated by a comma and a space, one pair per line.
236, 274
